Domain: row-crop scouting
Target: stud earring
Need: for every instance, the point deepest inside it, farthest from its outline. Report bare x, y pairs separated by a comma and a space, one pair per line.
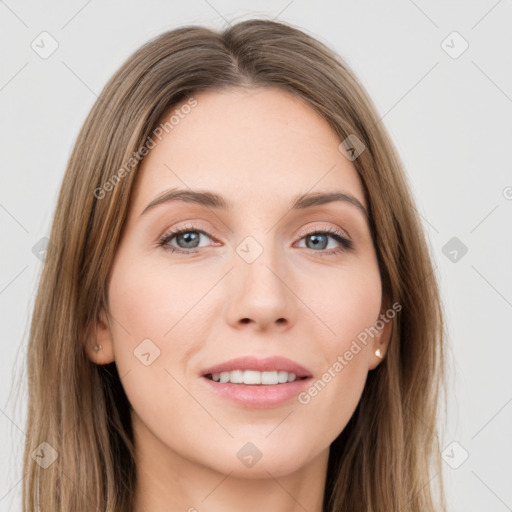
378, 353
96, 348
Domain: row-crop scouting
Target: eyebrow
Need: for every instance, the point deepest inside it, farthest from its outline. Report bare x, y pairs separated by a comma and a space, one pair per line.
217, 202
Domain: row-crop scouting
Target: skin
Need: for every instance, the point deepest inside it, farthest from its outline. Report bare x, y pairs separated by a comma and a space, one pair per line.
258, 148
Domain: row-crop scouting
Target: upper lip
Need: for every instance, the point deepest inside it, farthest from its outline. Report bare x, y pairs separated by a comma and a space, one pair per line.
268, 364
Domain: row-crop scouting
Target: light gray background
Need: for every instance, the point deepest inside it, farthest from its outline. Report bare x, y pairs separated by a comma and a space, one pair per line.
451, 119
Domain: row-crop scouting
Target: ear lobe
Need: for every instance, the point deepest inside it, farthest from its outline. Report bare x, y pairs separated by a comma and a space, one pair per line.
380, 343
99, 345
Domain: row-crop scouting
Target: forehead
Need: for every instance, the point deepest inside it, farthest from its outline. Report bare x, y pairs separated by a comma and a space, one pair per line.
256, 146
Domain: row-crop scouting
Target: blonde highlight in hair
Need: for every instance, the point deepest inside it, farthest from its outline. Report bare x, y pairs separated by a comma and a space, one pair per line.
388, 455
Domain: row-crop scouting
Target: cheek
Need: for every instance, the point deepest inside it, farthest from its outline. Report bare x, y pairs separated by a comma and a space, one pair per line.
150, 312
349, 304
150, 301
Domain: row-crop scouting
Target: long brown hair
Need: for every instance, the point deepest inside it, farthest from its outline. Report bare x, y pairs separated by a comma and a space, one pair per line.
387, 457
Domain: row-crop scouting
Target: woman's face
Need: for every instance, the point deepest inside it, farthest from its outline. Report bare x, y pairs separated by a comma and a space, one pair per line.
252, 275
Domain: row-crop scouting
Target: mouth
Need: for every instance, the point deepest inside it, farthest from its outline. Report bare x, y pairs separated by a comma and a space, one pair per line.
254, 383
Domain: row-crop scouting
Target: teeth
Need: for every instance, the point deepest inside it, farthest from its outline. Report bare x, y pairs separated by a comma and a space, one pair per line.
282, 377
252, 377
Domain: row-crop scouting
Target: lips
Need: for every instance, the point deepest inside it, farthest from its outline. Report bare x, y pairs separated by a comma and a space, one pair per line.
269, 364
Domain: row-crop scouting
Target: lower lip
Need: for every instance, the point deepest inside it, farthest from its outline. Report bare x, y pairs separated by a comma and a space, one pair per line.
258, 396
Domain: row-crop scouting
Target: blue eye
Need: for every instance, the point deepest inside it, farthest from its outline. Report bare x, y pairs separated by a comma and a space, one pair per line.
189, 237
320, 239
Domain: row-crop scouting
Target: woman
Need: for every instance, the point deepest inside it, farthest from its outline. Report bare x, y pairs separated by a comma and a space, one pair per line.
238, 307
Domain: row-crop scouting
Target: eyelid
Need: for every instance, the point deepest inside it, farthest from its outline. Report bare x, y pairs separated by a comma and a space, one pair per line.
189, 227
315, 229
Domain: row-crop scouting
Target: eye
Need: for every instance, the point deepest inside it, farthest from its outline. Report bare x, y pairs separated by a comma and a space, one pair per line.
320, 240
188, 238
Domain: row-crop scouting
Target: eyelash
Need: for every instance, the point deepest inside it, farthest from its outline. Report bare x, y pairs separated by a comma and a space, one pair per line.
346, 244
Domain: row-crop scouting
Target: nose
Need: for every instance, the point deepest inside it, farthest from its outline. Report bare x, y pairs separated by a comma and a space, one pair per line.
261, 293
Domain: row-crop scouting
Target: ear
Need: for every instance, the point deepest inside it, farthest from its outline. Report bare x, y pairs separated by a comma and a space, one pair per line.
380, 342
99, 345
